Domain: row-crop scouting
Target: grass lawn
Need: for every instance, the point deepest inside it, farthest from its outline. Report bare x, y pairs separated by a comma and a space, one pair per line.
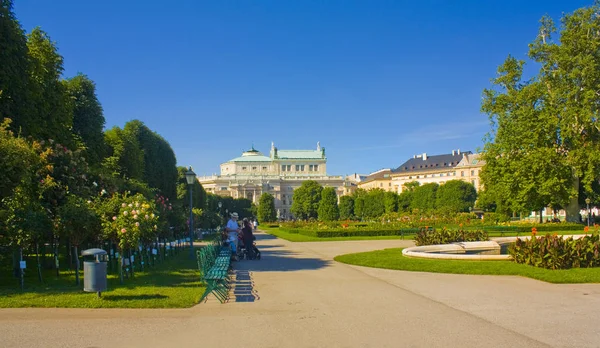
297, 237
172, 284
393, 259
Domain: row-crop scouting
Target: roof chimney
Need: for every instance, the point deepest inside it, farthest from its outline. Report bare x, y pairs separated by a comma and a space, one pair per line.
453, 152
424, 156
458, 151
414, 156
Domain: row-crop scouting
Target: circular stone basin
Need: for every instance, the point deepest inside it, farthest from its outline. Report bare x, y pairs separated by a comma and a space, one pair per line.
493, 250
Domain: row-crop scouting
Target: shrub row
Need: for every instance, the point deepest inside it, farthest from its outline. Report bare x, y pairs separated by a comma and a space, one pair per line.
555, 252
346, 232
540, 228
445, 236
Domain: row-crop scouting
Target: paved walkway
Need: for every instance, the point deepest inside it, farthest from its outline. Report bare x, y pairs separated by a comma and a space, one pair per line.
296, 296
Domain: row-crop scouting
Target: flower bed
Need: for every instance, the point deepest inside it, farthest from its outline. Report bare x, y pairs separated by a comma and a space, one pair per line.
555, 252
427, 236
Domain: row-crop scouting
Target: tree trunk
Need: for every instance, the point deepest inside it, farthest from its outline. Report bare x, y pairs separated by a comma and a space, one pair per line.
76, 266
21, 271
541, 218
573, 207
56, 262
39, 264
121, 268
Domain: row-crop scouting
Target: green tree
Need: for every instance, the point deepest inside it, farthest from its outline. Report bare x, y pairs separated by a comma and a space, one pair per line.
346, 207
424, 197
545, 138
50, 103
374, 204
17, 160
183, 191
88, 118
391, 202
266, 208
455, 196
306, 200
14, 71
160, 164
125, 157
328, 206
359, 203
406, 196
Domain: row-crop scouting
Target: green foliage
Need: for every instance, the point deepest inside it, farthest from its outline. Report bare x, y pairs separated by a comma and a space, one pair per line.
125, 157
424, 197
17, 159
555, 252
14, 70
391, 202
495, 218
374, 203
88, 118
266, 208
183, 191
544, 138
455, 196
78, 220
24, 219
328, 206
306, 199
357, 232
429, 236
346, 207
50, 103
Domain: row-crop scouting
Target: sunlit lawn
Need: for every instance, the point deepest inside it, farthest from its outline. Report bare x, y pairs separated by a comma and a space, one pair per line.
297, 237
174, 283
393, 259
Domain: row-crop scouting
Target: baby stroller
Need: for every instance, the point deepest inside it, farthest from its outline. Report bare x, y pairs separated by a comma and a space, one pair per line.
242, 252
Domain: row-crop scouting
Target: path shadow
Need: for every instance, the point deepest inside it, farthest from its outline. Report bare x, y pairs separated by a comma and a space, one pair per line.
132, 297
280, 261
243, 287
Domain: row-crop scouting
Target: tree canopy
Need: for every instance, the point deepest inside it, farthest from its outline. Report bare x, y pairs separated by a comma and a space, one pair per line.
455, 196
328, 206
306, 199
266, 208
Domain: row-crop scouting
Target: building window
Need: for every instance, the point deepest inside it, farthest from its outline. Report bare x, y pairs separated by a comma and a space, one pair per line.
473, 182
462, 173
297, 167
380, 184
253, 168
390, 184
243, 168
264, 168
302, 167
286, 167
316, 167
223, 188
472, 173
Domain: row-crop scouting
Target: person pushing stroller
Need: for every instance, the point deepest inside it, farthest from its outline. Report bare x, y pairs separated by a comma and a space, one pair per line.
248, 238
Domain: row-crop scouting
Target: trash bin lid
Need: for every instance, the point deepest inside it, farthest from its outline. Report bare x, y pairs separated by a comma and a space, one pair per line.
94, 251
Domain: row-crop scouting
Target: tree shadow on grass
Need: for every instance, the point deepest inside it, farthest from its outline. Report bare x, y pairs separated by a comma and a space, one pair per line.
132, 297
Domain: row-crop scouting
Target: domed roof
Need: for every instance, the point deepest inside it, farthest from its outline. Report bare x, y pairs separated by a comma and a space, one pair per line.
251, 155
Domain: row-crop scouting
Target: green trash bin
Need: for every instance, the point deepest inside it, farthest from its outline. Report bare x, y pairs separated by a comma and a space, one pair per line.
94, 270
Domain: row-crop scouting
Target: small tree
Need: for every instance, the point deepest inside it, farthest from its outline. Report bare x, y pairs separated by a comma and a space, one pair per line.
328, 207
390, 200
266, 208
306, 200
424, 197
374, 205
455, 196
346, 207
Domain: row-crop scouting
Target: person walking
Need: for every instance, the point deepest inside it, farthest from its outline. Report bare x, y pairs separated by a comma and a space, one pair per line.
248, 238
254, 224
232, 230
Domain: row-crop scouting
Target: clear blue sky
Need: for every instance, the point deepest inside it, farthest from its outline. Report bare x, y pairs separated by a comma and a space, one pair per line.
374, 81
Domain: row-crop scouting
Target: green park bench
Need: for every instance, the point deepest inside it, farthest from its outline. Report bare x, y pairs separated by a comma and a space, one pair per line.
214, 266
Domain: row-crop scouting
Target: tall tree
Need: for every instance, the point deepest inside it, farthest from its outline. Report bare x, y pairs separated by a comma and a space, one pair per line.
14, 70
374, 203
125, 157
455, 196
545, 137
160, 164
183, 191
390, 201
424, 197
346, 207
406, 196
88, 118
306, 200
328, 206
266, 208
53, 117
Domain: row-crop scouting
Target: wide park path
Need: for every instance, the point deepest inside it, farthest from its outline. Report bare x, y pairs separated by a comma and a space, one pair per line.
297, 296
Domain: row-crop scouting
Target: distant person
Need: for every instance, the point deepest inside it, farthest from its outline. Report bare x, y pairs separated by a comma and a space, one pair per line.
248, 238
232, 230
255, 224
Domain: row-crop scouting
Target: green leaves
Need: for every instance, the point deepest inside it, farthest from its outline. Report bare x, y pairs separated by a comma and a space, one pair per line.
556, 252
266, 208
306, 199
328, 207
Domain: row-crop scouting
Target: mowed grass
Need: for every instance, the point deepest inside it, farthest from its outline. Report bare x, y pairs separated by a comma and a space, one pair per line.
393, 259
175, 283
297, 237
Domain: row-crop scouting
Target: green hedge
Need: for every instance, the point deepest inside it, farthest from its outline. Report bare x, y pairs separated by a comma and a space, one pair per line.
445, 236
556, 252
540, 228
346, 232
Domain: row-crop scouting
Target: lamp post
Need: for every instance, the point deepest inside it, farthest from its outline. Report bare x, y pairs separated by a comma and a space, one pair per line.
220, 204
190, 177
587, 201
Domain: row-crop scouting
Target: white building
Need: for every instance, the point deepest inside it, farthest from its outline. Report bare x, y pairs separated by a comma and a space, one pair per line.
279, 174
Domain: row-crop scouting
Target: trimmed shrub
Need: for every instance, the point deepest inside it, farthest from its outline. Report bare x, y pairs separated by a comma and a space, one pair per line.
556, 252
427, 236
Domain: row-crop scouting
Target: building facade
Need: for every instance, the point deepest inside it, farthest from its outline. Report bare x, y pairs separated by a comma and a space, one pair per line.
381, 179
457, 165
279, 174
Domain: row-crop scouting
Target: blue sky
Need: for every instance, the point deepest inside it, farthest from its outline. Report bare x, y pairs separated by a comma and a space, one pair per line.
374, 81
